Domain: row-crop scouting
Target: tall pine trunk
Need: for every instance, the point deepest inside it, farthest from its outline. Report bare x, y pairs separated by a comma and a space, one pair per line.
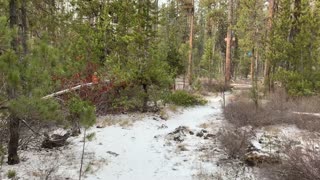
190, 44
267, 65
14, 122
228, 42
24, 27
13, 157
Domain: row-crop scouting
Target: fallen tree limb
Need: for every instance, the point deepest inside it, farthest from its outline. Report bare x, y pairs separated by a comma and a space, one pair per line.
3, 105
67, 90
307, 113
25, 123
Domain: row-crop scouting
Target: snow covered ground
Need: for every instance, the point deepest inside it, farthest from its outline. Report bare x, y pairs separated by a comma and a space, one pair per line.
144, 152
139, 151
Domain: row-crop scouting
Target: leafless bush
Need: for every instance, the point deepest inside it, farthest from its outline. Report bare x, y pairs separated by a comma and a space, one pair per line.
298, 164
235, 142
216, 85
278, 109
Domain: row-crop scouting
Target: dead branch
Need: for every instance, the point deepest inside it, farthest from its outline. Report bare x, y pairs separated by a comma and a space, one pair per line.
70, 89
67, 90
25, 123
307, 113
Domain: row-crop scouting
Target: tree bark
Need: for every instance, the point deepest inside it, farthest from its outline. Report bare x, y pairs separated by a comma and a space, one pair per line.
190, 44
24, 27
145, 98
228, 42
252, 68
13, 18
267, 65
13, 157
14, 122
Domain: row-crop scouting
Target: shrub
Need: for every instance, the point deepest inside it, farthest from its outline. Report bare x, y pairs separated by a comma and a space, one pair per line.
298, 164
91, 136
278, 110
216, 86
11, 174
183, 98
298, 84
82, 111
235, 142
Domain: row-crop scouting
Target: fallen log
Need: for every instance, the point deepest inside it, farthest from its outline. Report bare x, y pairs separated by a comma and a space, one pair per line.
307, 113
55, 140
70, 89
67, 90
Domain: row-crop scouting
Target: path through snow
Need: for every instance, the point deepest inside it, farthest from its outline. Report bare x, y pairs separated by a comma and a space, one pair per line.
137, 152
144, 152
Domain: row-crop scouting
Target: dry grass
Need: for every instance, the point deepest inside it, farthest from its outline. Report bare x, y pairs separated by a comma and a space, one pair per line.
204, 125
215, 86
278, 109
298, 164
122, 121
235, 142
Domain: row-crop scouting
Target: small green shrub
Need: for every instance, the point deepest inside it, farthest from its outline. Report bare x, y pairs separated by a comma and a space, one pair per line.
11, 174
83, 111
183, 98
91, 136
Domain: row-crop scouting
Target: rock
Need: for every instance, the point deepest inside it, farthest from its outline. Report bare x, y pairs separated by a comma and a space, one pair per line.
175, 169
113, 153
191, 132
182, 147
208, 136
99, 126
75, 132
179, 133
164, 116
203, 148
163, 126
204, 131
199, 134
178, 138
255, 158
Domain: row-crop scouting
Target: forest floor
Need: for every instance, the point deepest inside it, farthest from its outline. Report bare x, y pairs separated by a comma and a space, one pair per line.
146, 147
134, 146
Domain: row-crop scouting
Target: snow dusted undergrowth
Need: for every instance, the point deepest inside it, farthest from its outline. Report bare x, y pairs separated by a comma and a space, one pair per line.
145, 147
140, 151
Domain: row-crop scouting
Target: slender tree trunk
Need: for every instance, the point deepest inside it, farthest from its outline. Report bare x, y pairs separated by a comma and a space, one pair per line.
82, 154
13, 145
145, 98
24, 27
267, 65
228, 42
189, 74
14, 122
252, 67
13, 18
